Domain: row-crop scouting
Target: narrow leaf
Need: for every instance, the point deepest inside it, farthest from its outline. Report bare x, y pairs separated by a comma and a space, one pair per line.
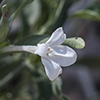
57, 89
3, 24
56, 86
86, 14
77, 42
20, 8
4, 9
17, 12
32, 40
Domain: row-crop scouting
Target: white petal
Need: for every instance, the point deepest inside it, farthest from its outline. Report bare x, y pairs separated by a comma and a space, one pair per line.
41, 50
52, 69
57, 38
30, 49
63, 55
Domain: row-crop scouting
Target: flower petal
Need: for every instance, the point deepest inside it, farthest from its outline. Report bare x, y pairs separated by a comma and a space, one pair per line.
12, 48
52, 69
63, 55
57, 38
41, 50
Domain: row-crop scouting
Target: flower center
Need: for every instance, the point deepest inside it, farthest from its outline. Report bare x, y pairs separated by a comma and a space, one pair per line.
43, 50
48, 50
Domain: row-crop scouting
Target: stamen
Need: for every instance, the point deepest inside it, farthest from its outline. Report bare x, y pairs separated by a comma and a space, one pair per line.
48, 49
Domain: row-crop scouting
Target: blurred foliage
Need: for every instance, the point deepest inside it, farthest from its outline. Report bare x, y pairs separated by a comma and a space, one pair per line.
22, 76
28, 22
92, 12
3, 24
87, 14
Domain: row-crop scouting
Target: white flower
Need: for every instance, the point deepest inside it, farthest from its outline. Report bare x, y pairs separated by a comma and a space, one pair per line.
53, 54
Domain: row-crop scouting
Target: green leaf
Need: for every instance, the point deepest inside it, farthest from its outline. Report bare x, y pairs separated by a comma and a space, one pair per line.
57, 89
11, 74
32, 40
44, 40
17, 12
56, 86
33, 12
20, 8
3, 28
86, 14
5, 44
4, 25
75, 42
4, 9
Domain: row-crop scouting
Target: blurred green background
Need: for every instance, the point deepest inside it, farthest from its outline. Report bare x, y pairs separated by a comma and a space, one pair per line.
22, 75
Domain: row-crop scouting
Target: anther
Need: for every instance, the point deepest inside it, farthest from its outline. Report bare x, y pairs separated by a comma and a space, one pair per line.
48, 49
47, 54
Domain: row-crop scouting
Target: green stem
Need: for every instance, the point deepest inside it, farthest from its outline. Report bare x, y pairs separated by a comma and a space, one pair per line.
10, 75
51, 21
20, 8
